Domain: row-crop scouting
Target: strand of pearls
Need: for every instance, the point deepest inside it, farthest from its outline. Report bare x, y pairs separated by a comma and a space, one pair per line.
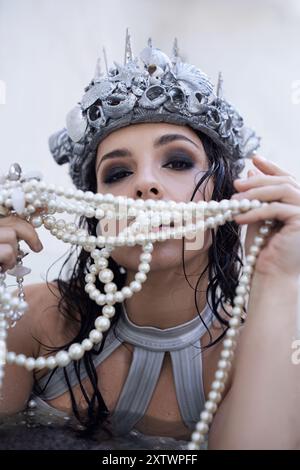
25, 198
198, 437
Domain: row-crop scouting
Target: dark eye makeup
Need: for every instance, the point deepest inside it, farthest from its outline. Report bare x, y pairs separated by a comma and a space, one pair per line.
175, 161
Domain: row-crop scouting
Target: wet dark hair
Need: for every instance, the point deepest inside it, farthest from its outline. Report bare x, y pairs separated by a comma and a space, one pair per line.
223, 270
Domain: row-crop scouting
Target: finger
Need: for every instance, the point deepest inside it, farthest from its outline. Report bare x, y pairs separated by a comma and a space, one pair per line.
281, 192
24, 231
7, 257
263, 180
268, 167
273, 210
8, 236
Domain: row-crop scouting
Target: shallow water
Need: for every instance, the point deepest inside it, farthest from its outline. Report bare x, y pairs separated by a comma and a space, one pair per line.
31, 431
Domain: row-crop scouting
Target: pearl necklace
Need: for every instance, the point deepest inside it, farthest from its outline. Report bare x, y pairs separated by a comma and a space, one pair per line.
24, 196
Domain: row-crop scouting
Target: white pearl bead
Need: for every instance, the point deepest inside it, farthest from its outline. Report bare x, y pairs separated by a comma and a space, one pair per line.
241, 290
62, 358
206, 417
110, 288
144, 267
99, 298
197, 437
108, 311
106, 275
220, 219
213, 206
140, 277
220, 375
192, 446
87, 344
210, 406
51, 362
234, 322
90, 278
244, 279
226, 354
110, 299
215, 397
264, 230
239, 300
119, 296
217, 385
102, 323
250, 259
254, 250
95, 295
255, 204
20, 360
76, 351
95, 336
228, 343
259, 241
127, 292
36, 221
40, 363
11, 357
101, 263
135, 286
244, 205
231, 333
93, 269
248, 269
223, 364
49, 222
30, 363
89, 288
148, 248
202, 428
210, 223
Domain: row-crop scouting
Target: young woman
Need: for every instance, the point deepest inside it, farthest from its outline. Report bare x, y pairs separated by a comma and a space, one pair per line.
154, 368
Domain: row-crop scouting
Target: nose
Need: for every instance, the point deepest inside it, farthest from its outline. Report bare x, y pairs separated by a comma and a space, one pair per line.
150, 189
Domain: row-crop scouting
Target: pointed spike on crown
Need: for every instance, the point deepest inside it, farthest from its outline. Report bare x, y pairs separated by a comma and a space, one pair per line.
220, 85
105, 59
128, 50
175, 50
98, 73
150, 42
175, 47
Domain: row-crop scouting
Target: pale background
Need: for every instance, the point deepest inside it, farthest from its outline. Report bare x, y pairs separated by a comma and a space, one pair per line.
48, 51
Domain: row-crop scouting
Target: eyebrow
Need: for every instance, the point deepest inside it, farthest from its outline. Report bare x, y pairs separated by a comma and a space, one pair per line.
163, 140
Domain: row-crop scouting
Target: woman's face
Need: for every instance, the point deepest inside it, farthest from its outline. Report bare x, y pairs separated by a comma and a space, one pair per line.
153, 161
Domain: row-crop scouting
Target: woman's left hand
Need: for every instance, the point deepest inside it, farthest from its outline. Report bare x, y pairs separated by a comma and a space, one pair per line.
269, 183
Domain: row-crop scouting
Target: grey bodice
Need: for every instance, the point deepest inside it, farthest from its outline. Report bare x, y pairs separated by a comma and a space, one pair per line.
151, 344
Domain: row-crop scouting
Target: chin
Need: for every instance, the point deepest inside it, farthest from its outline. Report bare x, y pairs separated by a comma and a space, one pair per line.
166, 255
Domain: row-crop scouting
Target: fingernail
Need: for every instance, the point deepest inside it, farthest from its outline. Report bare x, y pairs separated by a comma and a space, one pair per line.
39, 246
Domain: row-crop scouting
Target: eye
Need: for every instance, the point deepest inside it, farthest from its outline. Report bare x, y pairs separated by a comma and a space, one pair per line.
114, 175
177, 163
181, 163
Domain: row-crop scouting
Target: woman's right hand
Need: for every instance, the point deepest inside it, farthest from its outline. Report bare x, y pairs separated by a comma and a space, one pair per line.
13, 229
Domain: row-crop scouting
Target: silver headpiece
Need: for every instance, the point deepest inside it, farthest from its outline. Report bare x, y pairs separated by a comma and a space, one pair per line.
151, 88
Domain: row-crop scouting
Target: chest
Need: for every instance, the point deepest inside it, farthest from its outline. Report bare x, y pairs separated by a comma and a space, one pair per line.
162, 416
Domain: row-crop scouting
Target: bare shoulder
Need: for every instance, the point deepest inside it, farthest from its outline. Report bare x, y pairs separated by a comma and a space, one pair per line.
42, 317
